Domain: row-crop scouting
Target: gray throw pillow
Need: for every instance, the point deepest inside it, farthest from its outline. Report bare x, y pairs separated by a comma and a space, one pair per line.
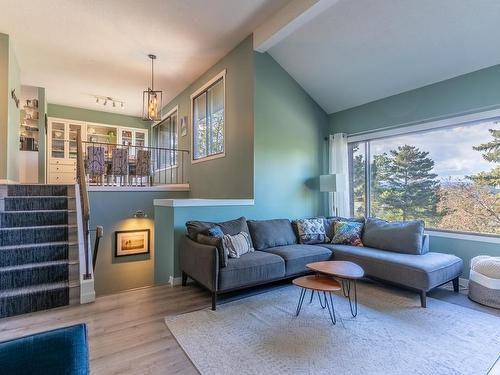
271, 233
398, 236
217, 242
311, 231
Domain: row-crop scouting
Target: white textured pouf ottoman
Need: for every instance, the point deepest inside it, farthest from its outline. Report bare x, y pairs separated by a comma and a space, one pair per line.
484, 280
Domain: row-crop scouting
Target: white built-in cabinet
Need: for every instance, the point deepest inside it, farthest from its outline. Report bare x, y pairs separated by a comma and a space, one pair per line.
61, 150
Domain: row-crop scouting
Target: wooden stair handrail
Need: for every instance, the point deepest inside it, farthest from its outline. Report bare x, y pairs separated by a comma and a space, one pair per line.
84, 197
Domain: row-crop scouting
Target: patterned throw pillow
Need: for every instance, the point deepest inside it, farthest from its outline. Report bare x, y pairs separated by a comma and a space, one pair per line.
311, 231
331, 220
348, 233
237, 245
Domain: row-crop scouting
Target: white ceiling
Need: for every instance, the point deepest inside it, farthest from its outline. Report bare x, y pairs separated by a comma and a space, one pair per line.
363, 50
79, 48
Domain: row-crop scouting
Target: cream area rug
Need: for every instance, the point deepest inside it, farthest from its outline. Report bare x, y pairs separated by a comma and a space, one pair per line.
390, 335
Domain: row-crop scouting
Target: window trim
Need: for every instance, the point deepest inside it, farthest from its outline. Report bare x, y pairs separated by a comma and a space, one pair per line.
163, 117
195, 94
422, 127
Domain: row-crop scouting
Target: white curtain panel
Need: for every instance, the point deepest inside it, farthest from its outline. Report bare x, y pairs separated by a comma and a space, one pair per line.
338, 202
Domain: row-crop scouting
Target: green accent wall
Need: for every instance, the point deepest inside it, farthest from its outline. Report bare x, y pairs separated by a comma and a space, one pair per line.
470, 93
474, 92
114, 210
10, 79
288, 145
230, 176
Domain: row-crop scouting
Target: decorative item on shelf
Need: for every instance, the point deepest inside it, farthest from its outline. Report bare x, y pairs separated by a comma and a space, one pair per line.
131, 242
184, 121
151, 98
328, 184
139, 214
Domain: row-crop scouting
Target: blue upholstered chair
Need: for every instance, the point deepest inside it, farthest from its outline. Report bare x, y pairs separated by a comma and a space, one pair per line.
60, 351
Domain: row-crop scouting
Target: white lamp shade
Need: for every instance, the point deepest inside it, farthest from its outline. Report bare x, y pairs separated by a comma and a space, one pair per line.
328, 183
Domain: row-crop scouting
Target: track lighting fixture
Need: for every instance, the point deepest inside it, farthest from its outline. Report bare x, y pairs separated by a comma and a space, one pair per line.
104, 100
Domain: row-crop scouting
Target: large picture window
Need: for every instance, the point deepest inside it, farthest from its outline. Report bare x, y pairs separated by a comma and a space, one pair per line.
165, 138
449, 177
208, 120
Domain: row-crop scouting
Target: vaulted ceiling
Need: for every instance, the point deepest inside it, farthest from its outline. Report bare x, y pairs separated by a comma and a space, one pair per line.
358, 51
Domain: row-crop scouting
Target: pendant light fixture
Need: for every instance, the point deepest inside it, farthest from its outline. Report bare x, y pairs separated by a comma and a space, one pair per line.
151, 99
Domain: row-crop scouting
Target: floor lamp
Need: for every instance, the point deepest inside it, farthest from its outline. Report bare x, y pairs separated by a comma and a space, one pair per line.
328, 184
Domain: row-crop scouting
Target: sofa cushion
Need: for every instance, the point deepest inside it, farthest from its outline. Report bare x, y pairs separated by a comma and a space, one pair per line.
416, 271
297, 256
331, 220
398, 236
230, 227
271, 233
251, 268
310, 231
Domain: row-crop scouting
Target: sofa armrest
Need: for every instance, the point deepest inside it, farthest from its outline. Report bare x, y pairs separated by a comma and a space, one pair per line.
425, 244
200, 262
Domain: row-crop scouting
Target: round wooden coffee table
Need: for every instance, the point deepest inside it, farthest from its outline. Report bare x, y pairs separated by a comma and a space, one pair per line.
318, 283
347, 272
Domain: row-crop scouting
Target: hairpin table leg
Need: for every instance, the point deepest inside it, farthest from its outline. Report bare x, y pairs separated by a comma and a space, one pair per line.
353, 307
301, 299
331, 310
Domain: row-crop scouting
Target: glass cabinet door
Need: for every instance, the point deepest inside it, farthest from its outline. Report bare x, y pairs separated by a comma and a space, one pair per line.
57, 144
140, 139
127, 137
72, 131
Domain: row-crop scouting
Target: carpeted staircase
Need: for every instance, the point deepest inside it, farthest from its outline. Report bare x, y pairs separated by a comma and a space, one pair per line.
38, 248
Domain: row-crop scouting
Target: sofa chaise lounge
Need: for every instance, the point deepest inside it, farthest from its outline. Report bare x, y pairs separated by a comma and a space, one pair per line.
401, 257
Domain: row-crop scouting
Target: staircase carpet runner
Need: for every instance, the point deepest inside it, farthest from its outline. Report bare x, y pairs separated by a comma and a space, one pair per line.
34, 248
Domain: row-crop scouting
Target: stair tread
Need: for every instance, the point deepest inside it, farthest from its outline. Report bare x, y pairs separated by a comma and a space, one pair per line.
43, 244
37, 196
33, 289
42, 226
35, 211
33, 265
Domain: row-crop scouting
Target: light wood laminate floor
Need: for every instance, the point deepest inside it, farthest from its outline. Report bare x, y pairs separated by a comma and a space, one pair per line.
127, 333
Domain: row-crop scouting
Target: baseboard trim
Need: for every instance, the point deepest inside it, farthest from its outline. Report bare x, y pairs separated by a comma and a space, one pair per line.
174, 281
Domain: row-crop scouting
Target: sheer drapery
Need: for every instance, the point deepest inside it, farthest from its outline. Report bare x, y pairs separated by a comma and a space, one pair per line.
338, 202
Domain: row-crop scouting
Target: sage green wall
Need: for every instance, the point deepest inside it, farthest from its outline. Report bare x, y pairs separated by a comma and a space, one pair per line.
10, 79
232, 175
14, 117
4, 102
82, 114
469, 93
288, 139
289, 132
114, 210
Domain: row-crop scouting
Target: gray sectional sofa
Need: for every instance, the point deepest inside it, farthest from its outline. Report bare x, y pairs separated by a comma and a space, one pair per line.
401, 257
